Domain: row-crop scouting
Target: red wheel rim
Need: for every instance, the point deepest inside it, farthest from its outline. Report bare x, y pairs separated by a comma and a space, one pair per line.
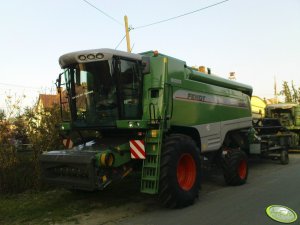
242, 169
186, 172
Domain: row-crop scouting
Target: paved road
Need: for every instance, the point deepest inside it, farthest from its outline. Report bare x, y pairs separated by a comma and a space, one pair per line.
268, 183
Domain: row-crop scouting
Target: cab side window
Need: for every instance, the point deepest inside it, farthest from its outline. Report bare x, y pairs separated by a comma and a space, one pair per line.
130, 89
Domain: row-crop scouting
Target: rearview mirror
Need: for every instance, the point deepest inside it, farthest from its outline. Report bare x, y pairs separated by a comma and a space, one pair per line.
58, 83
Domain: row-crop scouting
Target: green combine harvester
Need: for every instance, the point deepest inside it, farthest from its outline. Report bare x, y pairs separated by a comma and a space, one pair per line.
149, 113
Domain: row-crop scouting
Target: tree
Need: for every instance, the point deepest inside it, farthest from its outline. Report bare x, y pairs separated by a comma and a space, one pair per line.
43, 135
13, 127
295, 94
2, 115
20, 133
18, 170
290, 93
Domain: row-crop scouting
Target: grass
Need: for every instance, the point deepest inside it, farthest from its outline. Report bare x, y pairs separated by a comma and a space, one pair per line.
58, 205
39, 208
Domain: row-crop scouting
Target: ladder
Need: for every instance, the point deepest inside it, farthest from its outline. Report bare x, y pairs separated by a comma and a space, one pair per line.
151, 165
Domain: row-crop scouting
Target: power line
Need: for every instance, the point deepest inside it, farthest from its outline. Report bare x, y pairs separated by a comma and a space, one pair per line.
120, 42
104, 13
185, 14
19, 86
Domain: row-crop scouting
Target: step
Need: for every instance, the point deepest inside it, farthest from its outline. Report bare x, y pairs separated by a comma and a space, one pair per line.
149, 187
151, 140
151, 166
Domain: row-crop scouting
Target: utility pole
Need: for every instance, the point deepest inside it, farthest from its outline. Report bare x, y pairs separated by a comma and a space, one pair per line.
275, 91
127, 34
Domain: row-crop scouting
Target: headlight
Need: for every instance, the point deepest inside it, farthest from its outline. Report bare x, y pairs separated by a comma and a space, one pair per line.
99, 56
82, 57
91, 56
130, 124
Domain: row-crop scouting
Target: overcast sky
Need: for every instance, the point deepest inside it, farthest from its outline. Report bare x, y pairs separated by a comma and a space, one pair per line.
257, 39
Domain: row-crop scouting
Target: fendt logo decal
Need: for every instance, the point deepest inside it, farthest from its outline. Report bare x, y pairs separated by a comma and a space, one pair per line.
137, 149
200, 98
210, 99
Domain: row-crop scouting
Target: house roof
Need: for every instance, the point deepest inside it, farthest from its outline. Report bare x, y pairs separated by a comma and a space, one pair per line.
48, 101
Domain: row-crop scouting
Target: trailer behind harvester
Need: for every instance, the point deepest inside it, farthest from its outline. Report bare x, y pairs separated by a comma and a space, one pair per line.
289, 116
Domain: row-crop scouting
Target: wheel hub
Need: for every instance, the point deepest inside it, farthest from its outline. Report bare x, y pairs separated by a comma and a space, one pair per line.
242, 169
186, 172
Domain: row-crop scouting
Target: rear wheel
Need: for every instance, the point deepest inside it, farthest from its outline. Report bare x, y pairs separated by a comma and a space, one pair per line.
235, 167
180, 172
284, 157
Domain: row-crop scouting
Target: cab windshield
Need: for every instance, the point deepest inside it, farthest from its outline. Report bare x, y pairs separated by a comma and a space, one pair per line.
99, 93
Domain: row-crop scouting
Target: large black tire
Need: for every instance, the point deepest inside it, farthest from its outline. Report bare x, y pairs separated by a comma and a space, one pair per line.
180, 172
235, 167
284, 157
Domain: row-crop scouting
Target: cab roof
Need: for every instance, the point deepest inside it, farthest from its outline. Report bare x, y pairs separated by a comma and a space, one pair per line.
78, 56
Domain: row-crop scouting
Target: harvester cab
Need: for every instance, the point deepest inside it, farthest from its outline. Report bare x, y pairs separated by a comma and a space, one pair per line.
106, 114
102, 88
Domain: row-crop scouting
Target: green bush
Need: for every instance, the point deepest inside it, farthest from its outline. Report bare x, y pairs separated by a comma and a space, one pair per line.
20, 170
16, 170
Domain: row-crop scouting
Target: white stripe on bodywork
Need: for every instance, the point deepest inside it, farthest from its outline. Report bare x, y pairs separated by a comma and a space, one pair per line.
212, 135
208, 98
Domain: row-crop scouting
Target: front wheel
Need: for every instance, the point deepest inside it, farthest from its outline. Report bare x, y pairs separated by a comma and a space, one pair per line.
180, 172
235, 167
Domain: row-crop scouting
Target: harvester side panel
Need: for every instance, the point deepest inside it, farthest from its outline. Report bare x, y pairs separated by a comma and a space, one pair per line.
213, 108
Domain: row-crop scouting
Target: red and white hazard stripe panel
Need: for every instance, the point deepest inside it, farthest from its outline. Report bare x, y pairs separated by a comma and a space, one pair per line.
137, 149
68, 143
